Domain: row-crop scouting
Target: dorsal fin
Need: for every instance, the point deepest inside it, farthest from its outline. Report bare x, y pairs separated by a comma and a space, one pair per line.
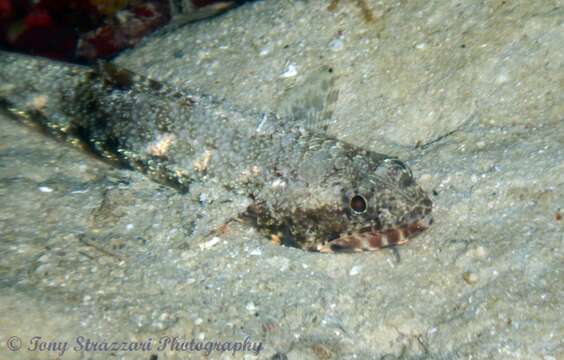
312, 103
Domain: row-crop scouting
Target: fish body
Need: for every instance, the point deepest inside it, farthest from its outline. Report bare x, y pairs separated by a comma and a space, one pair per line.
317, 192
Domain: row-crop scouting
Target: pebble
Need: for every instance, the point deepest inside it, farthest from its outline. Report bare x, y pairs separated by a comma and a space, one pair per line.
355, 270
290, 71
251, 307
470, 277
209, 244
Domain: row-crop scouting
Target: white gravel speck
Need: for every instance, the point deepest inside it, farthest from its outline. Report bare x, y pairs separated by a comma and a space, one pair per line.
291, 71
355, 270
336, 44
255, 252
209, 244
470, 277
278, 184
251, 307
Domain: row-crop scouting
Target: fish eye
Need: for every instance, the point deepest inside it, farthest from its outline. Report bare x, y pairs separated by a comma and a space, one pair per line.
358, 204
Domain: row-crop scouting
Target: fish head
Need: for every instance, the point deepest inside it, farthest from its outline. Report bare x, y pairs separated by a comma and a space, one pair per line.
373, 204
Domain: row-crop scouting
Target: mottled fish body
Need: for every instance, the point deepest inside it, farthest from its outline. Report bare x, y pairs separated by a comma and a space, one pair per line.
317, 192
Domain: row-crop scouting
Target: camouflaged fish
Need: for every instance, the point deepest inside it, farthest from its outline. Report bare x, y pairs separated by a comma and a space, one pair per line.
315, 191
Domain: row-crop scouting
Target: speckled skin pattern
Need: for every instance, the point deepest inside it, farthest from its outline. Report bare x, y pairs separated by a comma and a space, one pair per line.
306, 188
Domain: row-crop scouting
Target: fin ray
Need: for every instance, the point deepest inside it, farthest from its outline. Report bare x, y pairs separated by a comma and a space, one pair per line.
312, 103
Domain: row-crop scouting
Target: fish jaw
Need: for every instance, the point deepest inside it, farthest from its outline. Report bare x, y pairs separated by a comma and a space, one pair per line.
373, 239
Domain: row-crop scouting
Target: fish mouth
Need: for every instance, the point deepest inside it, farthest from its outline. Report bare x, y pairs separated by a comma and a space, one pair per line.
371, 238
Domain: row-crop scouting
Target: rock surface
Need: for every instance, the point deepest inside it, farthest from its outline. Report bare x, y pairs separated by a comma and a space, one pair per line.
471, 95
